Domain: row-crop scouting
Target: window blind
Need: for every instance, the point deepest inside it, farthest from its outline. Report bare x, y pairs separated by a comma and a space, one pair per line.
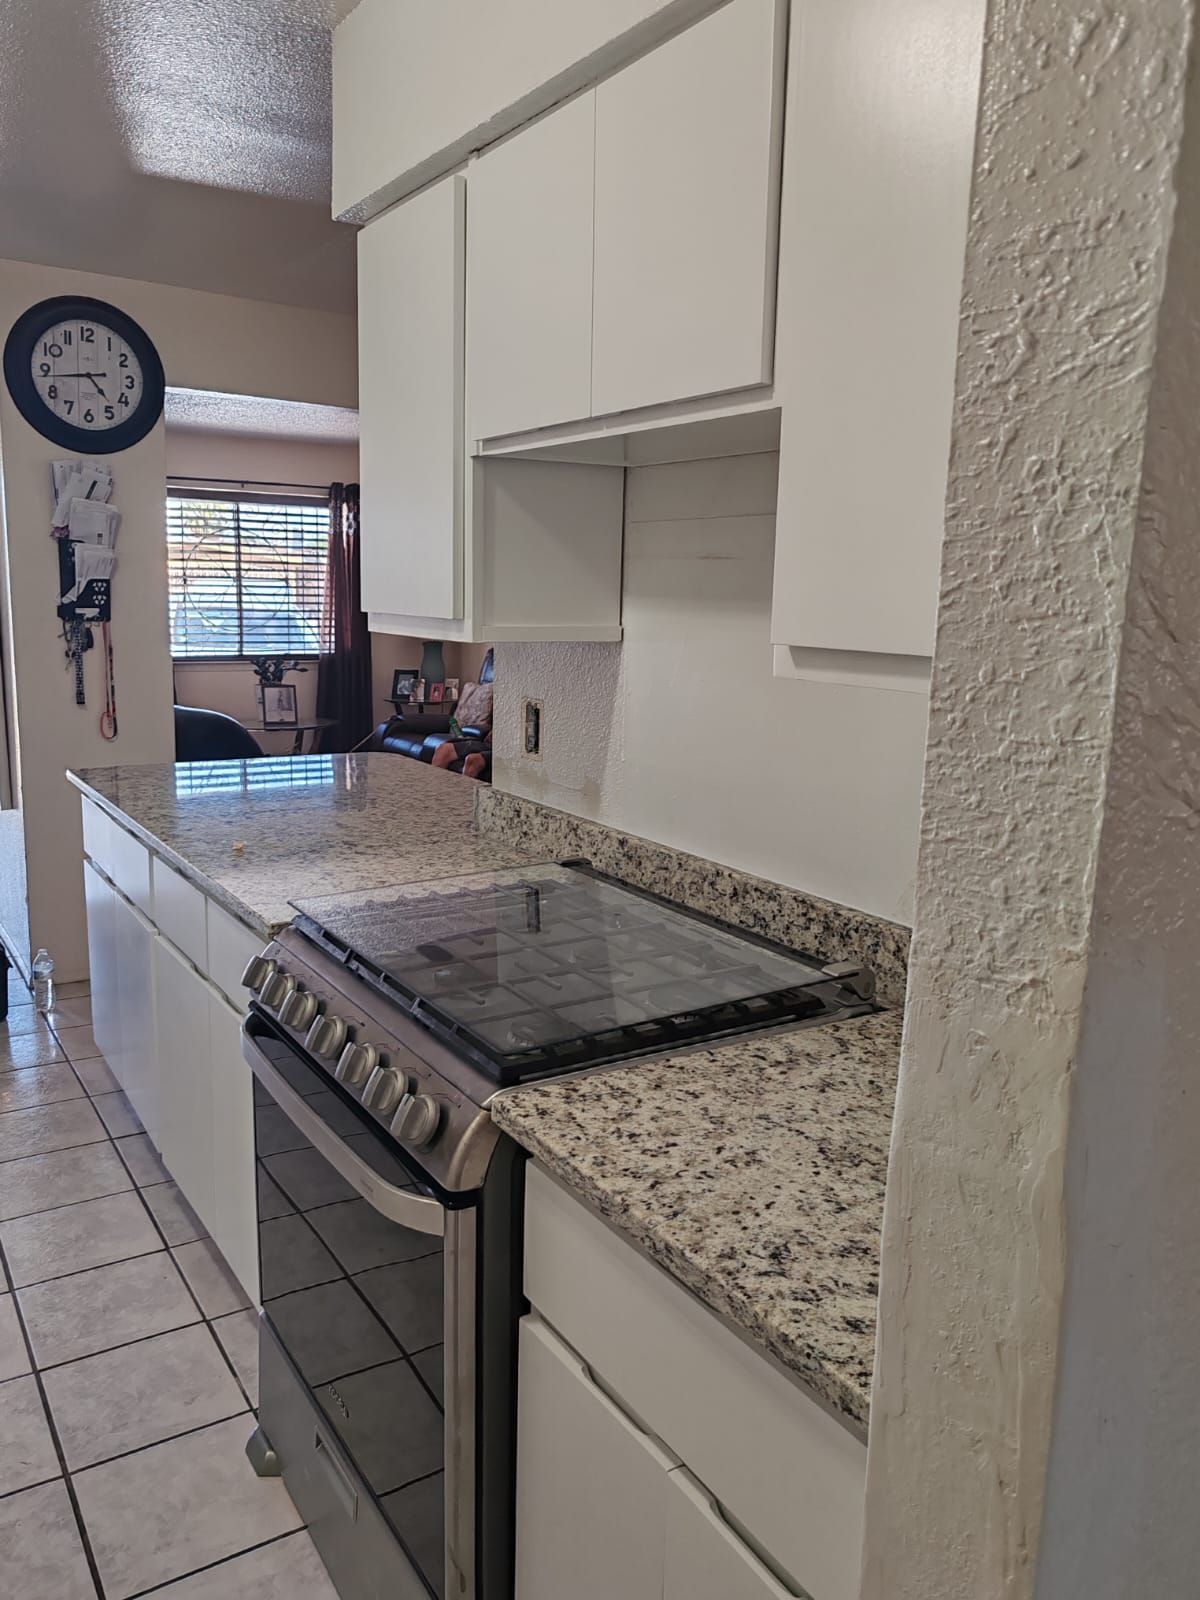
246, 575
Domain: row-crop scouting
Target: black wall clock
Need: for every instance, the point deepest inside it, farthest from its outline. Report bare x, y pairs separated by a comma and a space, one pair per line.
84, 374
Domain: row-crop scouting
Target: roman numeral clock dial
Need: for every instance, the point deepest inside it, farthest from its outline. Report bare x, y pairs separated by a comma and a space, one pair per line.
84, 374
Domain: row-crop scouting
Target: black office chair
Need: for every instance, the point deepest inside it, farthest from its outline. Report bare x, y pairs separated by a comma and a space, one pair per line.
211, 736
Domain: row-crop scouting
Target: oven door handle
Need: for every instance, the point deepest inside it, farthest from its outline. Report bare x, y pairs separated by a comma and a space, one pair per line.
414, 1211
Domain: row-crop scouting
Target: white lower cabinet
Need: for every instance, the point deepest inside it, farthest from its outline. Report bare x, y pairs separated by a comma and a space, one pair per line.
591, 1488
102, 960
136, 1066
704, 1559
234, 1221
185, 1078
167, 1022
759, 1491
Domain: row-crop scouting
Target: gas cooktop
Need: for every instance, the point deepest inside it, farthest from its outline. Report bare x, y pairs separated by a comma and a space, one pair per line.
552, 968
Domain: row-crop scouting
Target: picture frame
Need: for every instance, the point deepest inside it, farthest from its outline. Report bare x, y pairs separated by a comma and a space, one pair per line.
419, 692
436, 693
452, 687
278, 703
404, 683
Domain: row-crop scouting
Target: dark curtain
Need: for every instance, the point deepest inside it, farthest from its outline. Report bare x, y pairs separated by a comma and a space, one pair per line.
344, 676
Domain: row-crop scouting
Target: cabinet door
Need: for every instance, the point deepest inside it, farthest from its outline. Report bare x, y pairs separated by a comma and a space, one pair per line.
687, 186
529, 276
136, 1066
411, 292
705, 1559
102, 962
590, 1487
235, 1219
184, 1085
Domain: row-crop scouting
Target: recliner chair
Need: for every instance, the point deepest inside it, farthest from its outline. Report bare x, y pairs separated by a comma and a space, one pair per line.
211, 736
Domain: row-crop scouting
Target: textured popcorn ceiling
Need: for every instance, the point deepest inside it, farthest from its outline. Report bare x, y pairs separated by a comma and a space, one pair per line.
203, 410
184, 143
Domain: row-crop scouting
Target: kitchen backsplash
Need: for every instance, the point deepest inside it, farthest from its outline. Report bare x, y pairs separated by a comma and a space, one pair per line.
787, 915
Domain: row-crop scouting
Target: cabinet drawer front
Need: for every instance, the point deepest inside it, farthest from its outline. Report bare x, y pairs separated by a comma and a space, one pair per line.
97, 836
781, 1465
130, 868
705, 1559
179, 913
576, 1452
230, 945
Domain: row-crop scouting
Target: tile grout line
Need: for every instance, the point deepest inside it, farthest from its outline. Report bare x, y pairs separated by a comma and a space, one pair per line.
222, 1561
52, 1428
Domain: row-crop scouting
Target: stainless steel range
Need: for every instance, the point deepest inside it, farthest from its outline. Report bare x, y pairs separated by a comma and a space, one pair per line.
379, 1032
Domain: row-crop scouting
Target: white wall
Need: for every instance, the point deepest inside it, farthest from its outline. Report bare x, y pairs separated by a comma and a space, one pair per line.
683, 735
206, 341
1071, 212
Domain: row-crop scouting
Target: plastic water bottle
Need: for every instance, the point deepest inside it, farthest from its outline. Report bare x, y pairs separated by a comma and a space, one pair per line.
43, 981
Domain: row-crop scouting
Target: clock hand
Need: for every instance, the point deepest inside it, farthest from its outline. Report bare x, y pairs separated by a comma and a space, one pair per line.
93, 376
99, 390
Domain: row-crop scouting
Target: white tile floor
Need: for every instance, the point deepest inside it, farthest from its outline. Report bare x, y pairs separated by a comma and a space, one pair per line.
128, 1357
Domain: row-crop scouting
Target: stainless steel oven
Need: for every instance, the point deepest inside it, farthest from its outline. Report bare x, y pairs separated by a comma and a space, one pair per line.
384, 1340
381, 1028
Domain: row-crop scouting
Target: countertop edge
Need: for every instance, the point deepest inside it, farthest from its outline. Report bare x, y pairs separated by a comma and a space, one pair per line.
214, 891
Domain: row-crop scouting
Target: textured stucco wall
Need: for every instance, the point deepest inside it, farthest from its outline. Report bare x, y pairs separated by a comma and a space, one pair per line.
683, 735
1079, 128
1121, 1498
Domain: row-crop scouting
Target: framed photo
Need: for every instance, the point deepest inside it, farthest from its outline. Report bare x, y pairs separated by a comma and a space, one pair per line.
451, 688
436, 691
404, 682
419, 691
279, 705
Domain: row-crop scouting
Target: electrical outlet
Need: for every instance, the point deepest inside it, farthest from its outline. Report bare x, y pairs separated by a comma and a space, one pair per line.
533, 727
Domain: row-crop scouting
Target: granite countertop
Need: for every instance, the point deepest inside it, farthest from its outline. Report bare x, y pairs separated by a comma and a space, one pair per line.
256, 835
754, 1173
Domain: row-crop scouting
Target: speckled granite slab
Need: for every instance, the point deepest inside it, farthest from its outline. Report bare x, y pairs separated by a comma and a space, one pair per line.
256, 835
793, 918
754, 1173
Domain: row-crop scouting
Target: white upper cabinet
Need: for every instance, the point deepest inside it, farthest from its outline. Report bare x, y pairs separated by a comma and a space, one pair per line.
686, 201
411, 291
529, 276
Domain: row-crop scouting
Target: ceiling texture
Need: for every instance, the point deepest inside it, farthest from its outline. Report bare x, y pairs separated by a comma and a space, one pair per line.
178, 141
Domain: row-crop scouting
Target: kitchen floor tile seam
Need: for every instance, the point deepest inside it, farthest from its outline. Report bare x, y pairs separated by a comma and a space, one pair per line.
142, 1338
66, 1205
212, 1566
203, 1315
7, 1494
40, 1066
52, 1428
76, 1272
58, 1150
167, 1438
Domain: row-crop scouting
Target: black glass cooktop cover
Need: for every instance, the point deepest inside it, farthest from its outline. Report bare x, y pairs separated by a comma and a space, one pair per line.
549, 968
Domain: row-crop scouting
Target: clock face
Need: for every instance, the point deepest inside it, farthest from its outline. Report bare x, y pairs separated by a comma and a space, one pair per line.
84, 374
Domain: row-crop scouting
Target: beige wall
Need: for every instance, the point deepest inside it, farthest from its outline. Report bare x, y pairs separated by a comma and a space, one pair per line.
683, 734
207, 342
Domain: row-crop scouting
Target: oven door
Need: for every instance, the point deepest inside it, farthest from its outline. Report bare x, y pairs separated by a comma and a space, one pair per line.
368, 1286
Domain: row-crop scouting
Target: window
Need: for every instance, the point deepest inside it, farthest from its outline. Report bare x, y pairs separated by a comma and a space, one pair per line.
246, 575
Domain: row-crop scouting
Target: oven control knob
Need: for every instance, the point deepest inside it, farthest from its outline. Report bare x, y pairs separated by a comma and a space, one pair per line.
258, 970
299, 1009
356, 1064
385, 1088
327, 1036
416, 1122
276, 990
